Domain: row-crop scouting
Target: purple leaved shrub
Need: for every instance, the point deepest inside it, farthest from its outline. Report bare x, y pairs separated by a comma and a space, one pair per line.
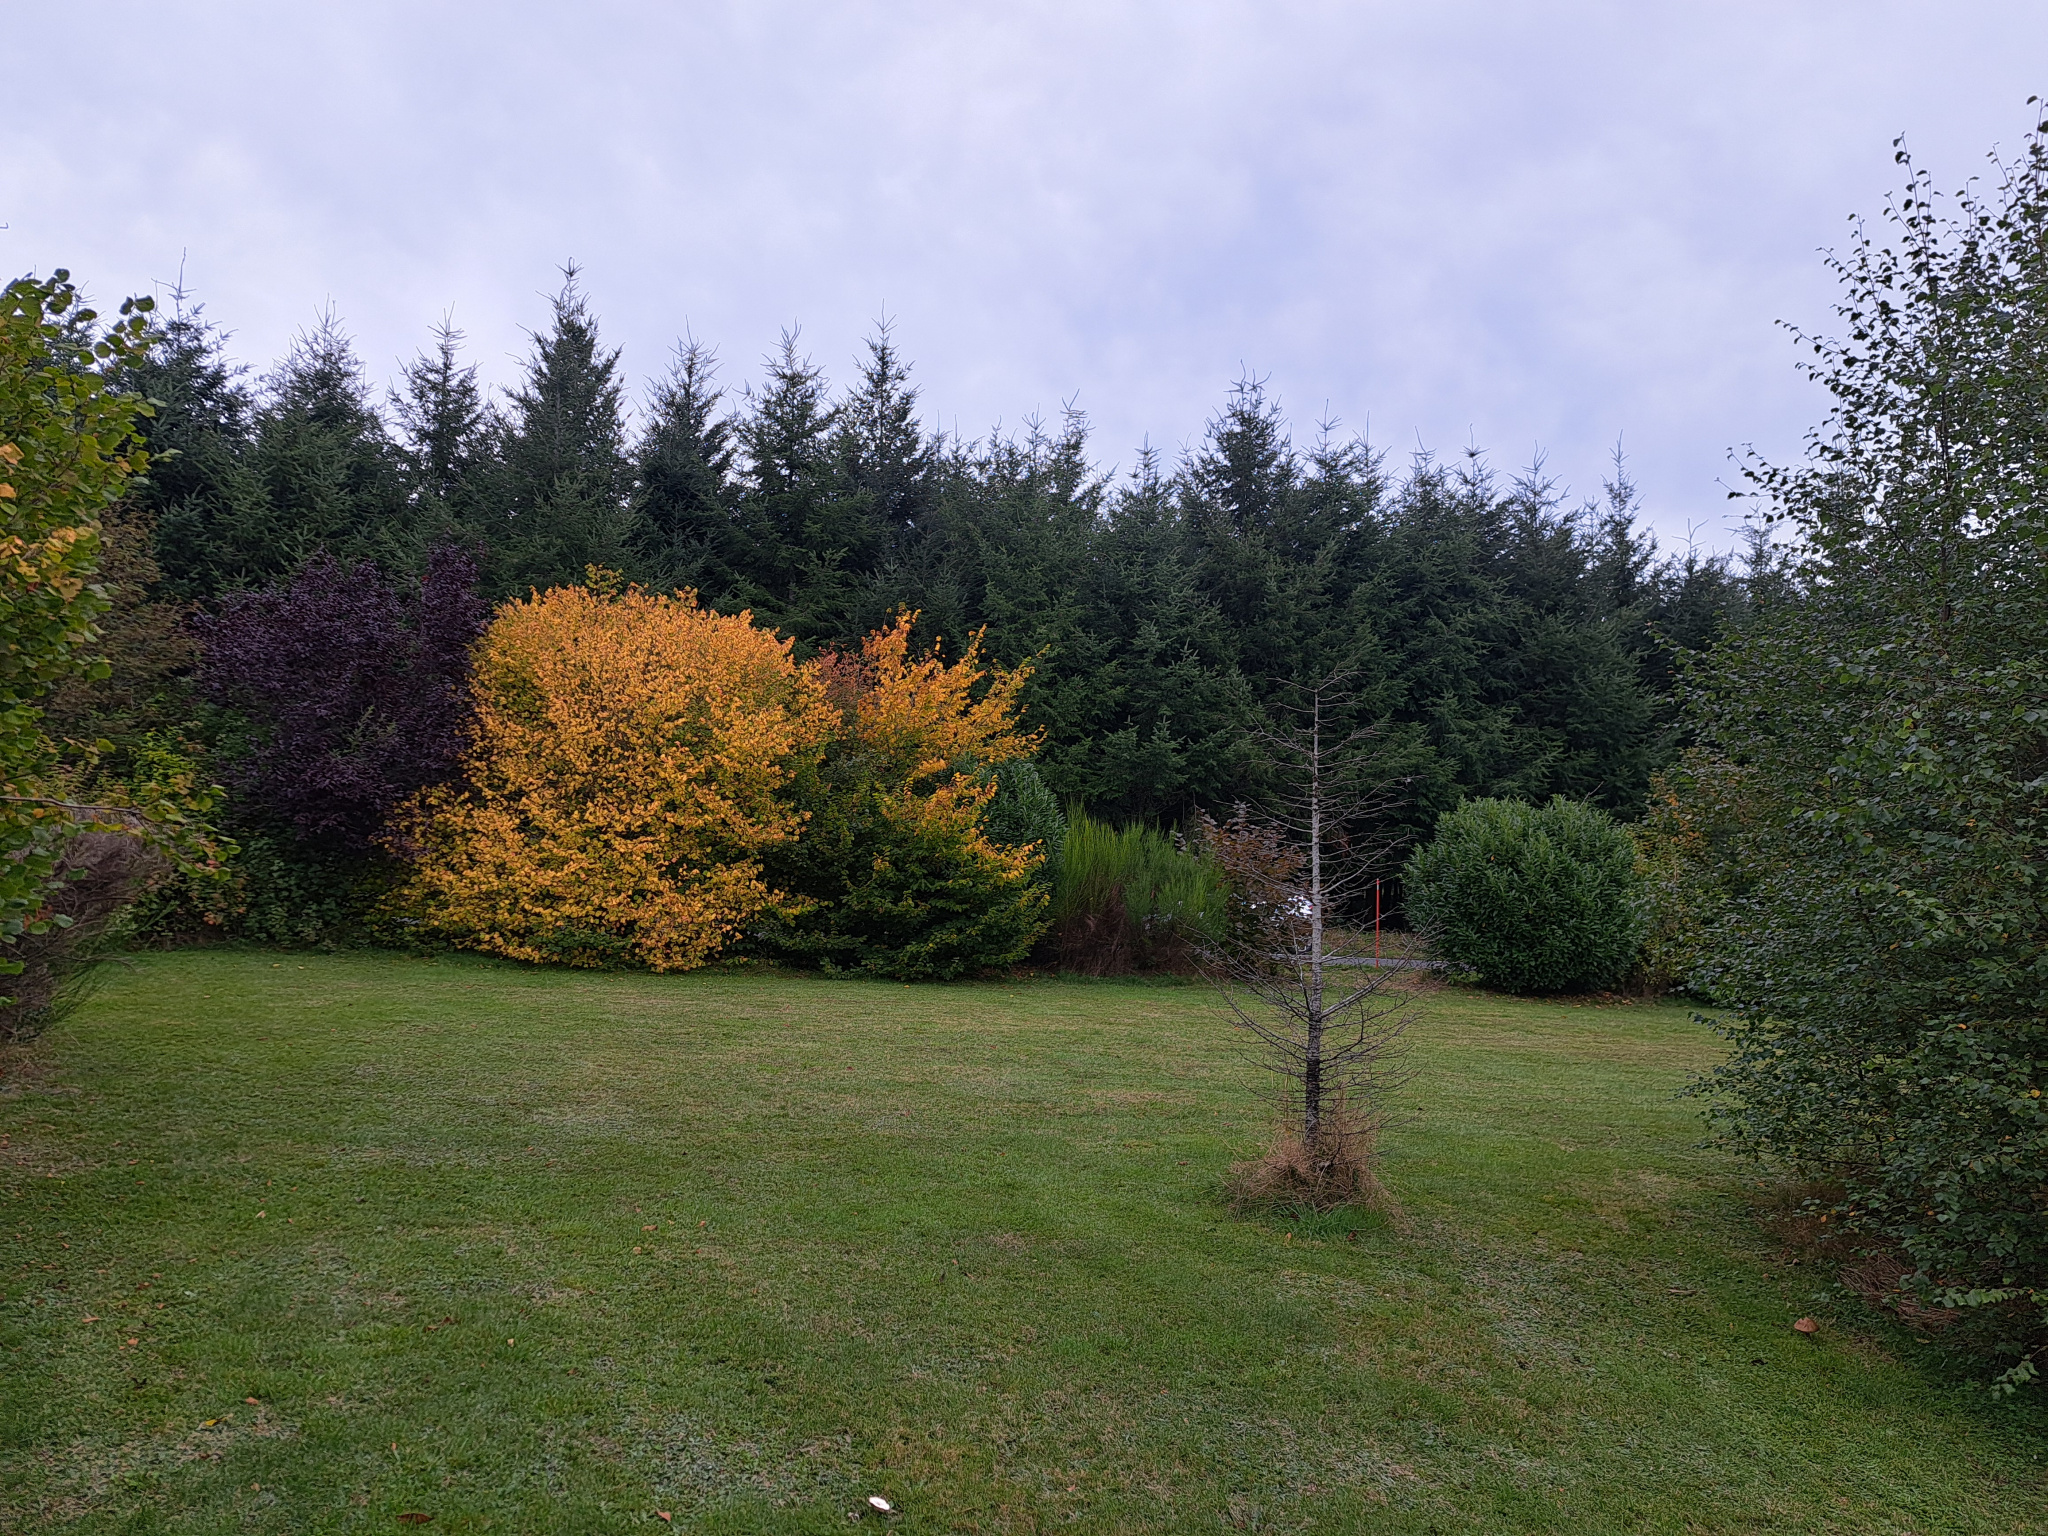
354, 691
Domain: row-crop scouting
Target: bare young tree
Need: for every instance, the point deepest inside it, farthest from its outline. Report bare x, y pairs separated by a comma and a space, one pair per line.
1328, 1023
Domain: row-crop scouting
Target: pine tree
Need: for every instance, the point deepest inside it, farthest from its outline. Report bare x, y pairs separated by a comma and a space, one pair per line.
684, 528
446, 437
211, 513
561, 498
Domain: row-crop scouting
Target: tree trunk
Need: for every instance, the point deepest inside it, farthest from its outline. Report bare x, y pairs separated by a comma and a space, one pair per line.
1312, 1073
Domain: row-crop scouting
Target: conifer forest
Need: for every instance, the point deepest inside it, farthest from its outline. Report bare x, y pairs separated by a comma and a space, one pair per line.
1512, 643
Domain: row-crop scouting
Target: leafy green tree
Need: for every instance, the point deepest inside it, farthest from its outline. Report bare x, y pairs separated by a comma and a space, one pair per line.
1881, 727
68, 453
143, 698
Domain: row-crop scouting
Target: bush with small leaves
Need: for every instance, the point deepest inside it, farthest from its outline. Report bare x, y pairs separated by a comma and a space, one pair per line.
1533, 898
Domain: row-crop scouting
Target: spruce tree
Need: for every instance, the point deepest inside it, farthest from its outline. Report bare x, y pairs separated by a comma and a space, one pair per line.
1154, 715
447, 438
881, 448
801, 548
684, 488
1568, 680
325, 458
1279, 535
1018, 523
561, 494
210, 512
1234, 490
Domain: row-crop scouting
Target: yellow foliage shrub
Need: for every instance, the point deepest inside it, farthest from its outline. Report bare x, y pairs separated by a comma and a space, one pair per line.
628, 753
903, 879
915, 723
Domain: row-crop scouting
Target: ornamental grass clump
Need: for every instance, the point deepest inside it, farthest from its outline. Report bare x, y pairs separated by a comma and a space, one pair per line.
1532, 898
1131, 899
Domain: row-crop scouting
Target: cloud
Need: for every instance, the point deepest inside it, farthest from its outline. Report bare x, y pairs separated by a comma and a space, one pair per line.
1509, 224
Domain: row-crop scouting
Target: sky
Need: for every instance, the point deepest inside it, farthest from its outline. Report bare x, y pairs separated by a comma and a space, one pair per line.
1534, 229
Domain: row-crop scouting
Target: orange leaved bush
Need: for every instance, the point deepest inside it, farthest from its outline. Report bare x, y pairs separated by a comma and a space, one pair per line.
628, 761
916, 722
901, 879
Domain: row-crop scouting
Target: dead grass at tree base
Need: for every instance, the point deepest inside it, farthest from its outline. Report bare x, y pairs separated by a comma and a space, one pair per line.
1337, 1171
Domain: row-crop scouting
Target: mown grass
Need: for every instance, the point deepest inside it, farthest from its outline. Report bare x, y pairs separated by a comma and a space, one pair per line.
538, 1251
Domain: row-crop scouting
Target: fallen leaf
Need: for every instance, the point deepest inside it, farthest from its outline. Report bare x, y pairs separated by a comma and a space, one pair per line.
1806, 1325
414, 1517
249, 1400
662, 1514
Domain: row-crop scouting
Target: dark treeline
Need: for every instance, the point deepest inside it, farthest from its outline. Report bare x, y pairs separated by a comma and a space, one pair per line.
1505, 642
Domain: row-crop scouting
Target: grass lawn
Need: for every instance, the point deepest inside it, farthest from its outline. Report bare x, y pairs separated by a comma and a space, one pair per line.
309, 1244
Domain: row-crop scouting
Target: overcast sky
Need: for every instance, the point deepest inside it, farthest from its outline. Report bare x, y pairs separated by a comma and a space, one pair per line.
1519, 226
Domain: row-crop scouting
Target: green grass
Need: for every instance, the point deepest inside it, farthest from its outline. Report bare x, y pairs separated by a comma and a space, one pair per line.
533, 1251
